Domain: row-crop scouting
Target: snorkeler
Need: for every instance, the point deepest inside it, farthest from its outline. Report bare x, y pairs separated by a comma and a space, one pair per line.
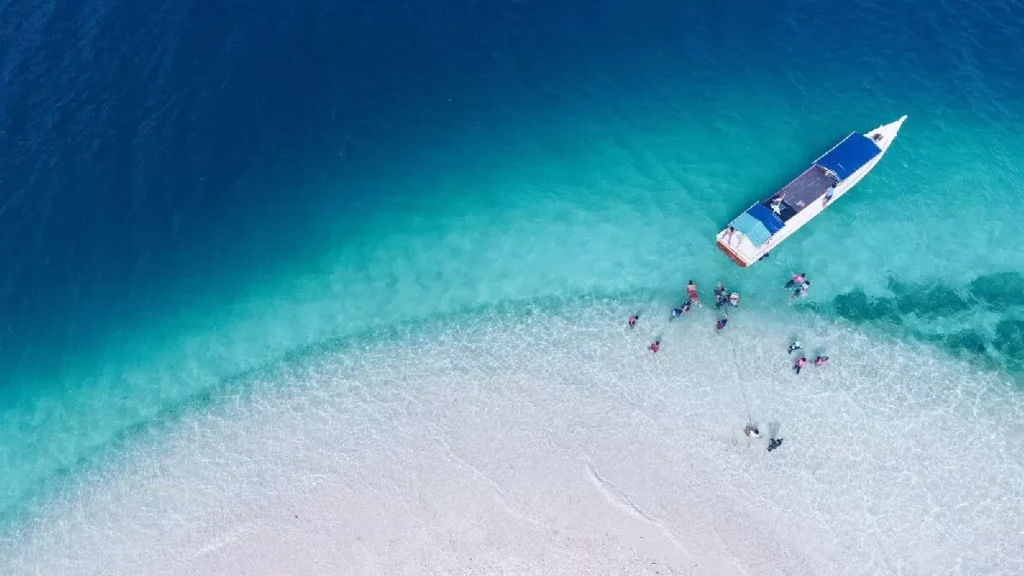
794, 347
720, 291
679, 311
796, 280
775, 443
820, 360
801, 290
633, 319
656, 345
800, 364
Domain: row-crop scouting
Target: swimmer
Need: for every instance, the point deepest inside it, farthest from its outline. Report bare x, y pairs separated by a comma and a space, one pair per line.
794, 347
796, 280
722, 322
677, 312
751, 431
800, 364
801, 290
775, 443
720, 296
656, 345
734, 300
691, 291
820, 360
633, 319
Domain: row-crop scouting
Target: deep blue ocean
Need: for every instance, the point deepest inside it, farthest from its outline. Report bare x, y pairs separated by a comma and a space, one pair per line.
156, 155
190, 190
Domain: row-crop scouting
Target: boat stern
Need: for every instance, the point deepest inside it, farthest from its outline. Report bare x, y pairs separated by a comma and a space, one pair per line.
732, 253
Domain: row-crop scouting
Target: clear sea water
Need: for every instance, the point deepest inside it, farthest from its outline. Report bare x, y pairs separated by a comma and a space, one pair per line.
200, 200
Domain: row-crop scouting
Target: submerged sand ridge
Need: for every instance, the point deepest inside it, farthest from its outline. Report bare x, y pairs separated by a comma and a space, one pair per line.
556, 443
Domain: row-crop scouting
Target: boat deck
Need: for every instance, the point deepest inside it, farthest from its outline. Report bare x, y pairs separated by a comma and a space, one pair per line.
805, 189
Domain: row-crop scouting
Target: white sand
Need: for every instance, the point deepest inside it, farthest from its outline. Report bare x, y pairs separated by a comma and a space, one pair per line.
558, 445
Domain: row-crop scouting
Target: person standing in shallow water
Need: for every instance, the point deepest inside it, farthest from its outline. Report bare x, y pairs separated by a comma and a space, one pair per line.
800, 364
820, 360
633, 319
721, 322
655, 346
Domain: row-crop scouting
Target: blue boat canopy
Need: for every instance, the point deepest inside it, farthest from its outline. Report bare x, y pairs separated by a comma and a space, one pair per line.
849, 155
752, 228
758, 224
771, 222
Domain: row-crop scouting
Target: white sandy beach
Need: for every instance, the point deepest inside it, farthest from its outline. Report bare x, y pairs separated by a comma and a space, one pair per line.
559, 445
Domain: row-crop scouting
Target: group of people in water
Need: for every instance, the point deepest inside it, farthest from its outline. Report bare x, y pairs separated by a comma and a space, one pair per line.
799, 284
802, 361
722, 298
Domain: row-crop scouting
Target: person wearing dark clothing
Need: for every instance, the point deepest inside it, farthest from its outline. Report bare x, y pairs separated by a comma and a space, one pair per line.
680, 310
775, 443
796, 280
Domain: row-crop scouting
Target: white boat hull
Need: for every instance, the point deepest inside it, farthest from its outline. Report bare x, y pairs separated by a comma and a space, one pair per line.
742, 250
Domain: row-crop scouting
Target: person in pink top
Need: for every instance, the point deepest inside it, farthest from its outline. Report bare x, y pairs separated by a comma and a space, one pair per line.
820, 360
633, 319
796, 280
800, 364
656, 345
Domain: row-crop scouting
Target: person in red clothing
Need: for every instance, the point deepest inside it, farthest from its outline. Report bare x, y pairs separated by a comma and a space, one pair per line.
691, 291
800, 364
656, 345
